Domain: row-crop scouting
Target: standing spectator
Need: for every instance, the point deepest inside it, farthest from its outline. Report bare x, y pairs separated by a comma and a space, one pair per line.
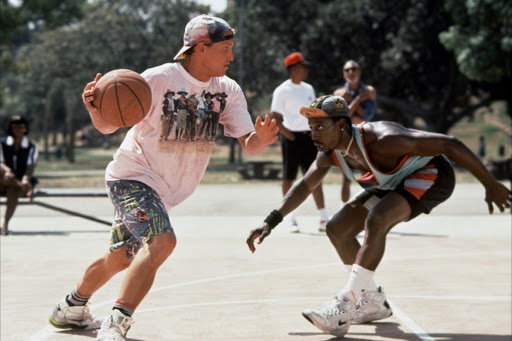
359, 96
296, 144
147, 177
361, 102
18, 159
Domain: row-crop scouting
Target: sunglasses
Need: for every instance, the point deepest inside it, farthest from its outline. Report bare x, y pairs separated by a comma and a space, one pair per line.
354, 68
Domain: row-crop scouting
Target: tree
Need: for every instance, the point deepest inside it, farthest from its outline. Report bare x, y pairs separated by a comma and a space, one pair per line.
481, 38
396, 43
131, 34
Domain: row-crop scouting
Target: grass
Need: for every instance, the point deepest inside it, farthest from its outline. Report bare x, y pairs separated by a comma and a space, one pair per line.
90, 163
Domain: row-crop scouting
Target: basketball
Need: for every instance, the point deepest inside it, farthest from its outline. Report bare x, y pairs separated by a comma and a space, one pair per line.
123, 97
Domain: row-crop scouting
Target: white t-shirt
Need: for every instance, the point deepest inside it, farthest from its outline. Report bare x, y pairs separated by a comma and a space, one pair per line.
287, 100
173, 167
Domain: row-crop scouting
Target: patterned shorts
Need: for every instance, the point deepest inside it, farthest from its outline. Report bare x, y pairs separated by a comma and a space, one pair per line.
140, 215
424, 189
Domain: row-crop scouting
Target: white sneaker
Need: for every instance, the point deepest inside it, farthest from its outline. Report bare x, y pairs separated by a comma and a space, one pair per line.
115, 327
322, 226
65, 316
372, 306
293, 226
335, 316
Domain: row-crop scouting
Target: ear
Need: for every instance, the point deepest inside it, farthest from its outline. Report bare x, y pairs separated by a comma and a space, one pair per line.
201, 47
341, 124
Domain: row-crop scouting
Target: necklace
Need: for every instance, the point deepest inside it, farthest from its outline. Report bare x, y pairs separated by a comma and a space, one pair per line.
349, 145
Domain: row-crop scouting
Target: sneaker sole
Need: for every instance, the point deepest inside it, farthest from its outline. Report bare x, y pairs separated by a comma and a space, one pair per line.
64, 325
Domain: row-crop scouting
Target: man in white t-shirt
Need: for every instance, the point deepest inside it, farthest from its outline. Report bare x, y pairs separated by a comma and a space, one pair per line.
297, 147
149, 176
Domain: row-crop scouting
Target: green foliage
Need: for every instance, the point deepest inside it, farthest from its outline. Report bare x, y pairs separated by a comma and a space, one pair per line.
481, 38
397, 44
18, 20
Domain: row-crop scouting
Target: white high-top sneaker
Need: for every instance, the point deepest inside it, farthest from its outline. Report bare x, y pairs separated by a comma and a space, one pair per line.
115, 327
335, 316
372, 306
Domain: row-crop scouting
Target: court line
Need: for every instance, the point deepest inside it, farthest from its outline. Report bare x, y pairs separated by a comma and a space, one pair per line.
409, 323
47, 331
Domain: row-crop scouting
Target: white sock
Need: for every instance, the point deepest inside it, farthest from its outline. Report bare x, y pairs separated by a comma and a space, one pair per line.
372, 285
359, 279
323, 214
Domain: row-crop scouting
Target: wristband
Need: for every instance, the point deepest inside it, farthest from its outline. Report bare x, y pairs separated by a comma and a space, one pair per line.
274, 218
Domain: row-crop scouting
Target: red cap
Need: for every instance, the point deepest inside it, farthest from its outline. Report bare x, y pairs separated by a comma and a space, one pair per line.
294, 58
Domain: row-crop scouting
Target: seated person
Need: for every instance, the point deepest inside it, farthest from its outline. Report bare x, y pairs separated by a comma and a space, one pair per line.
18, 159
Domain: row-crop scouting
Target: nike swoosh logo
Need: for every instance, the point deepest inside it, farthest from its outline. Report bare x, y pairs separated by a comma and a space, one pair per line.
340, 323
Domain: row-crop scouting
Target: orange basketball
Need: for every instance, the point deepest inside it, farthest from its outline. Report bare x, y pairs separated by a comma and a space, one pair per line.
123, 97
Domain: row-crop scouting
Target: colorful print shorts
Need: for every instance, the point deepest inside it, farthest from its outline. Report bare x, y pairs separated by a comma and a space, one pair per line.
140, 215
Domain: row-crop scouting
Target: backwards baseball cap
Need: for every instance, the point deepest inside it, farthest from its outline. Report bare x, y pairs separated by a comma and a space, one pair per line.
295, 58
204, 29
326, 106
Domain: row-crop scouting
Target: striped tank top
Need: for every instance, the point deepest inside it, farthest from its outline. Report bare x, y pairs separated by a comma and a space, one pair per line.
375, 178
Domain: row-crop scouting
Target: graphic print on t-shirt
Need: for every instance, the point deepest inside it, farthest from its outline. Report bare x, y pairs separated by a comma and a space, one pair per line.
190, 118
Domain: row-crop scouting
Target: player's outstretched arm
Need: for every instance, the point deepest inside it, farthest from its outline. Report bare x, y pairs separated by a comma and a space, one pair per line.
495, 192
435, 144
94, 113
295, 196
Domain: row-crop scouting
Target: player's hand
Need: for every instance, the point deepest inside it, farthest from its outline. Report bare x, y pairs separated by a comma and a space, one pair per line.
266, 130
261, 233
498, 194
88, 94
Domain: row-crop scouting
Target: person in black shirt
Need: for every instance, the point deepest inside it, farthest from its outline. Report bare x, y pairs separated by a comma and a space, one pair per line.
18, 159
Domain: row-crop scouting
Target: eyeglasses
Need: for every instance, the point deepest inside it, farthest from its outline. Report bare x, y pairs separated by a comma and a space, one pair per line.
354, 68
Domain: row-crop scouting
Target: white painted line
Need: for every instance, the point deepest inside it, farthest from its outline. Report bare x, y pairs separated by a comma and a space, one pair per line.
459, 298
43, 334
47, 331
410, 323
207, 304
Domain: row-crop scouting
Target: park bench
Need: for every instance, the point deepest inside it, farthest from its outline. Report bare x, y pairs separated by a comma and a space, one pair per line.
41, 193
260, 170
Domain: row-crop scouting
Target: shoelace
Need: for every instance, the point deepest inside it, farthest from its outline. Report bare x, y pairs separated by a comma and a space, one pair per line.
336, 306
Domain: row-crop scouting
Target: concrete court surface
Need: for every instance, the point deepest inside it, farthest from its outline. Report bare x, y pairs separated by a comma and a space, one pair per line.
447, 274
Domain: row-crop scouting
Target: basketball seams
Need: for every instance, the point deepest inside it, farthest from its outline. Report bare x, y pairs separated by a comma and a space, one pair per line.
141, 105
118, 101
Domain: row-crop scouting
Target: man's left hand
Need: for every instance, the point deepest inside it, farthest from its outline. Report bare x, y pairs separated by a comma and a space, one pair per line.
499, 195
266, 130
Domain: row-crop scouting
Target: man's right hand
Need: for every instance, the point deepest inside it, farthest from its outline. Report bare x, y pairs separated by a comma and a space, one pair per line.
88, 94
88, 97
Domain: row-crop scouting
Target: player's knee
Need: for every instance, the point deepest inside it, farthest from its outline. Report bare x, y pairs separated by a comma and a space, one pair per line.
123, 263
162, 246
340, 232
376, 224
